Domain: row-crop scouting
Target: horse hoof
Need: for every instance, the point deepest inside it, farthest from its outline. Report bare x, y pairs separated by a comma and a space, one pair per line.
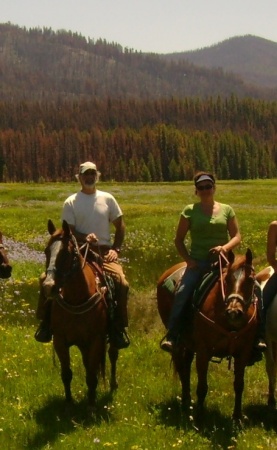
114, 386
91, 410
271, 404
68, 409
186, 404
239, 421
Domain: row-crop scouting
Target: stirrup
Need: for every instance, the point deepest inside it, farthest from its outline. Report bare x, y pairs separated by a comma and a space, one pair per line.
43, 333
260, 344
167, 344
119, 339
256, 356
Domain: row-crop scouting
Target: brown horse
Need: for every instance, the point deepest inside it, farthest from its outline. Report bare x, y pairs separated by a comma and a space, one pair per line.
5, 267
224, 325
271, 338
79, 314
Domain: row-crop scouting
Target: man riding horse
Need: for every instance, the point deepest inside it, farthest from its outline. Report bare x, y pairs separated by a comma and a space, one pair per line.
89, 214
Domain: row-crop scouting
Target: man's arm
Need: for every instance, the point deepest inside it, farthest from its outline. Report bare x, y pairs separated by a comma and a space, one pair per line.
119, 233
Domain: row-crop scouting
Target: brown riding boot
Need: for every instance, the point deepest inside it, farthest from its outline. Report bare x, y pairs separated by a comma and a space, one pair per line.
44, 333
118, 337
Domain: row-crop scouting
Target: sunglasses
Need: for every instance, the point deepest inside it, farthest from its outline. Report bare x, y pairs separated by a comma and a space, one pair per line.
89, 172
206, 187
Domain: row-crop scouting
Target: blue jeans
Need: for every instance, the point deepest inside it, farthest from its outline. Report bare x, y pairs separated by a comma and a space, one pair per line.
183, 295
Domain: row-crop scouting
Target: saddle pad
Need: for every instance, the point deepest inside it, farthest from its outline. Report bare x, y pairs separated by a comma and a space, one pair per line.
172, 280
207, 282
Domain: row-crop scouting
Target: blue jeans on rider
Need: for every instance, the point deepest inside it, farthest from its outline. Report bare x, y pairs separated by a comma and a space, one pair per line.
183, 295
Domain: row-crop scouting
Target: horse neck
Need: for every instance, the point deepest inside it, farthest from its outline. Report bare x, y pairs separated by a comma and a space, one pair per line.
80, 286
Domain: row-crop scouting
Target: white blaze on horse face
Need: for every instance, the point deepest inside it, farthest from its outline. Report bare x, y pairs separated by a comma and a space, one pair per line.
50, 272
238, 275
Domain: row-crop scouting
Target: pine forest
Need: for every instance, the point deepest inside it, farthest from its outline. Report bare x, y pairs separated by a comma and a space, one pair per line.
138, 140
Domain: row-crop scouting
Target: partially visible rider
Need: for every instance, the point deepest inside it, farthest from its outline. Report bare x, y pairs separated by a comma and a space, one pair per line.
213, 229
90, 213
270, 289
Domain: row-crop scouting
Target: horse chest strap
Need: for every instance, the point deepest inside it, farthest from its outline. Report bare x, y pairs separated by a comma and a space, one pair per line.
88, 305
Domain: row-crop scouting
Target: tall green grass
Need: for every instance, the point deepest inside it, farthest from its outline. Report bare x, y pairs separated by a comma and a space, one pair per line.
145, 412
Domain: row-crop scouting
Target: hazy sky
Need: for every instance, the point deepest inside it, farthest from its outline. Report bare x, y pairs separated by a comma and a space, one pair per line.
159, 26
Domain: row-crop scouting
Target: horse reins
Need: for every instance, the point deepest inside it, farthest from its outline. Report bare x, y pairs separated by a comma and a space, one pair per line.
86, 252
91, 302
221, 257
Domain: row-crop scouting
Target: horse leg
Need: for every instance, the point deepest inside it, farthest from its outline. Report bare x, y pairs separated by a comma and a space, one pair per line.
239, 369
113, 355
202, 365
66, 372
92, 383
182, 363
94, 361
271, 361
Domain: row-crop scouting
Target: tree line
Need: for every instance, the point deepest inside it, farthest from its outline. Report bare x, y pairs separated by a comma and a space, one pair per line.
138, 140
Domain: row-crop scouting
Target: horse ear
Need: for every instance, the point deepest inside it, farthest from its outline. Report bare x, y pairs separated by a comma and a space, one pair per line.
51, 227
66, 228
231, 257
249, 257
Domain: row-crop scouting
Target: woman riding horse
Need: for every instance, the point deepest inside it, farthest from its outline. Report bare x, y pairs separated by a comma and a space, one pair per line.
213, 230
225, 325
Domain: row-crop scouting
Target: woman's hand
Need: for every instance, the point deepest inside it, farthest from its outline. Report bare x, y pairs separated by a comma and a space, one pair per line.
217, 250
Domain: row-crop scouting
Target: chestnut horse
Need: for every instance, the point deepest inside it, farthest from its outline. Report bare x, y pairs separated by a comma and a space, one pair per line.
271, 338
79, 314
5, 267
224, 325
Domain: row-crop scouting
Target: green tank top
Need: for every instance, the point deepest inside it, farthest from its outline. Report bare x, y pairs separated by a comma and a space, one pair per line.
207, 231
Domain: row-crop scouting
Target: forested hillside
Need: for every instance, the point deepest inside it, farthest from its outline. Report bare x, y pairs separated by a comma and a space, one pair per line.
253, 58
137, 140
41, 64
65, 99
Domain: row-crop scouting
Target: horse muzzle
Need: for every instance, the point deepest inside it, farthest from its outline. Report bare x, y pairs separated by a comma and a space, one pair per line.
234, 313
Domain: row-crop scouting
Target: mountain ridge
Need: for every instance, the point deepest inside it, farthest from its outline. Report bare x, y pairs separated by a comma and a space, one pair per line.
253, 58
39, 64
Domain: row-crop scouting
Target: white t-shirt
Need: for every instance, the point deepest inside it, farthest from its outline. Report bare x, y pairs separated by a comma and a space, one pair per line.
92, 213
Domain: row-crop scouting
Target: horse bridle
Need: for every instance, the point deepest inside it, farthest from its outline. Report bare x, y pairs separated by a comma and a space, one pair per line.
237, 296
75, 265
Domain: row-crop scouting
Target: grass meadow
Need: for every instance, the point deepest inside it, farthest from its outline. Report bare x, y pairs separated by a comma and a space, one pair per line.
145, 412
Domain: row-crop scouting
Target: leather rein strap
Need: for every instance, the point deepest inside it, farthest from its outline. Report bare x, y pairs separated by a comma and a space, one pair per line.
90, 303
221, 257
